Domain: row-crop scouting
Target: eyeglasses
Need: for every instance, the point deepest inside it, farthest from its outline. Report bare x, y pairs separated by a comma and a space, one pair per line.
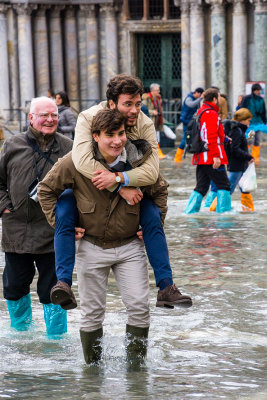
54, 116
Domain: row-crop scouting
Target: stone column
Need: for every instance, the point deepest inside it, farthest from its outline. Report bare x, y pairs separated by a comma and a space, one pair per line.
197, 49
92, 53
239, 49
13, 58
26, 71
218, 45
185, 48
56, 50
111, 34
41, 52
145, 10
126, 10
71, 55
166, 15
82, 44
4, 77
260, 42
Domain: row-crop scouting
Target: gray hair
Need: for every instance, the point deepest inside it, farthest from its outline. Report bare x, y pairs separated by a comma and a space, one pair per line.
35, 101
154, 86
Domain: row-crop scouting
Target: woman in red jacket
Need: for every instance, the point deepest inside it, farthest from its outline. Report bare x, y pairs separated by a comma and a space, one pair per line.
211, 163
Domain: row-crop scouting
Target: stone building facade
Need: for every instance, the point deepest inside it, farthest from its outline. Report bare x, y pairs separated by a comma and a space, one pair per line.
78, 45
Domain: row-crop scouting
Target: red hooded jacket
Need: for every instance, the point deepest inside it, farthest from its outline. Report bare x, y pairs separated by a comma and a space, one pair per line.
213, 134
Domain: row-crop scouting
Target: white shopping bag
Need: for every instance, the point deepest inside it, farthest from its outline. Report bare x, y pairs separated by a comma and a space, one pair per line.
168, 132
248, 181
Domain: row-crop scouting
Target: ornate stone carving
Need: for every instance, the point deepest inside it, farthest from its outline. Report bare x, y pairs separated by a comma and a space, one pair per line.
42, 9
184, 5
260, 5
196, 7
4, 8
109, 10
217, 6
89, 11
239, 6
24, 9
55, 11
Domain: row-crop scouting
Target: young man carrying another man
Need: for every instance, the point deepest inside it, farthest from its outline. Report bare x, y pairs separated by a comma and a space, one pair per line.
111, 225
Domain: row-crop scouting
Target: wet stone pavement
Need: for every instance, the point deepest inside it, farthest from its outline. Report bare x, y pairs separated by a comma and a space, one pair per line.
216, 349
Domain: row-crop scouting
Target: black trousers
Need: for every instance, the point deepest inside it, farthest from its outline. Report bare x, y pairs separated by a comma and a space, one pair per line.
206, 173
19, 272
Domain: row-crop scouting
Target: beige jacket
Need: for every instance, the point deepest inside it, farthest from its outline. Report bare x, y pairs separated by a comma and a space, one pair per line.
82, 154
106, 217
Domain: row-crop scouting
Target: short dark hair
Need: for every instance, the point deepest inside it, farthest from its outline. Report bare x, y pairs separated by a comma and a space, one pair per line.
108, 121
256, 86
210, 93
64, 97
123, 84
199, 90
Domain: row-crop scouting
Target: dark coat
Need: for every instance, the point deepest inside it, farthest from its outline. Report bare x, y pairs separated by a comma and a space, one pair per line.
25, 229
240, 156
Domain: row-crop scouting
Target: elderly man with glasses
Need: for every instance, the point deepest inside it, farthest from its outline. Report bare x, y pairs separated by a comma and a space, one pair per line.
27, 238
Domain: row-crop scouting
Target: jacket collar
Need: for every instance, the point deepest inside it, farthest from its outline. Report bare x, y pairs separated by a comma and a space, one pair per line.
44, 141
207, 104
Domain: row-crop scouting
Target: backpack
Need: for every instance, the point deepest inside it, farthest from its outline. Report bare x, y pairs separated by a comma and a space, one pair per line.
194, 144
228, 125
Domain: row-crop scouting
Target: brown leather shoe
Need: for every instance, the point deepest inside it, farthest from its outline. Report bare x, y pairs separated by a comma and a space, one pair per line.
171, 296
62, 294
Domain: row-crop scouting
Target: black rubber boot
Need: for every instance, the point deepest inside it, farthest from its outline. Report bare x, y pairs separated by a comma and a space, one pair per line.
91, 345
136, 347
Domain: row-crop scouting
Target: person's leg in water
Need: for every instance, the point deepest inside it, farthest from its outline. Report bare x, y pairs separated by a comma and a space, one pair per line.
66, 215
158, 255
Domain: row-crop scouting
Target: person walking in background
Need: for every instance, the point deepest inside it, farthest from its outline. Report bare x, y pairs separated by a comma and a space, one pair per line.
209, 162
239, 101
27, 238
256, 105
66, 119
189, 107
51, 94
154, 104
238, 157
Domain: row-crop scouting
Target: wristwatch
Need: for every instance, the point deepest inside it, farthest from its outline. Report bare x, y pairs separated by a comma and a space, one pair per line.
118, 178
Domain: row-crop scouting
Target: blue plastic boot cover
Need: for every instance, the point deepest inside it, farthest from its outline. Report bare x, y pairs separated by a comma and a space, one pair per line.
223, 201
209, 199
194, 203
20, 312
55, 319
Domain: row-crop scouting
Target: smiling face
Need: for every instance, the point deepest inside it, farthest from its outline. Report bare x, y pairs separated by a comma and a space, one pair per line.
44, 118
111, 144
129, 106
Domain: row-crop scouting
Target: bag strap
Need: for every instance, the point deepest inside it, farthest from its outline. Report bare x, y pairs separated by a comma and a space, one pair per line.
35, 147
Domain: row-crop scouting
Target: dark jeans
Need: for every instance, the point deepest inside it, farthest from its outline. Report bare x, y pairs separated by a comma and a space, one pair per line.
183, 141
206, 173
153, 234
19, 273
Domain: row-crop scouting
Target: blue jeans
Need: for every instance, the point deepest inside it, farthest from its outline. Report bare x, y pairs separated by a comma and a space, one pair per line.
183, 141
233, 177
153, 234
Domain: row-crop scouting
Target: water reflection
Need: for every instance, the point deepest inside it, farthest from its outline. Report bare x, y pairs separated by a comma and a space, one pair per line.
214, 350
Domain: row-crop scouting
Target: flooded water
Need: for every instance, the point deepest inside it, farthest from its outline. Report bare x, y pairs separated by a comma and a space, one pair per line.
216, 349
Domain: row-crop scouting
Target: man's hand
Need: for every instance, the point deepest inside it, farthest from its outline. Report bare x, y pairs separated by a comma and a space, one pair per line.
79, 233
103, 179
6, 211
132, 195
251, 161
140, 235
216, 162
155, 112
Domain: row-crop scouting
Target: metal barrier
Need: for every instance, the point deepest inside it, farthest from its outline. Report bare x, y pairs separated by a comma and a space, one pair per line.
171, 112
